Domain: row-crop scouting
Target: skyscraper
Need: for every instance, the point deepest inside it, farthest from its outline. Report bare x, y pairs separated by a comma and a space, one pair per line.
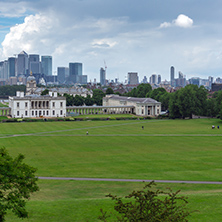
172, 76
102, 76
34, 64
46, 65
62, 73
22, 63
133, 78
159, 79
75, 71
11, 67
153, 79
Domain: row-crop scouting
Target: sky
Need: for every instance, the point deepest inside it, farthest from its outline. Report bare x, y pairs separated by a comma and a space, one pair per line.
144, 36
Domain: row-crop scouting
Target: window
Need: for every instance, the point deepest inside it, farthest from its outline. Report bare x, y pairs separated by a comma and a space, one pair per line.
32, 113
26, 104
17, 104
158, 111
36, 113
43, 112
17, 113
61, 103
47, 112
26, 113
60, 112
53, 112
53, 104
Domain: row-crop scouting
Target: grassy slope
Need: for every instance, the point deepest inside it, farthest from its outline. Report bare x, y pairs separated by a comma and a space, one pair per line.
71, 153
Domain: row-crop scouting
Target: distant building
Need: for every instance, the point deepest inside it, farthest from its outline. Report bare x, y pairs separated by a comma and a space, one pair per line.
144, 80
102, 76
133, 78
195, 81
12, 66
22, 63
153, 79
46, 62
62, 73
172, 76
75, 70
159, 79
140, 106
34, 64
216, 87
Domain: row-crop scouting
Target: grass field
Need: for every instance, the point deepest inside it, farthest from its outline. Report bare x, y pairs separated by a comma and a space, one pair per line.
164, 149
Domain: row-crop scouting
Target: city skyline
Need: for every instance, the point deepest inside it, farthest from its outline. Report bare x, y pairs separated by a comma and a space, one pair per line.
146, 37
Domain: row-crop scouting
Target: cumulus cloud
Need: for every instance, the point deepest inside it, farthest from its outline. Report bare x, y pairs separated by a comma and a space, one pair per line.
181, 21
31, 35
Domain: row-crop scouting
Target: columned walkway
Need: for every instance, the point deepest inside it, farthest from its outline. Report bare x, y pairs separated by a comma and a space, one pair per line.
86, 110
5, 111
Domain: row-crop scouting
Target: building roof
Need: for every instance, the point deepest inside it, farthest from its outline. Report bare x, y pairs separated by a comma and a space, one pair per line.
37, 97
133, 99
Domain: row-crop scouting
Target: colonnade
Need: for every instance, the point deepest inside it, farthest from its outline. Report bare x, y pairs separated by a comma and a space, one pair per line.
5, 111
86, 110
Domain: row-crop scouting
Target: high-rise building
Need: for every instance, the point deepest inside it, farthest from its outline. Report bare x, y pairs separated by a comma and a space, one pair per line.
172, 76
102, 76
46, 65
75, 70
2, 70
34, 64
62, 73
22, 63
133, 78
12, 67
159, 79
153, 79
5, 70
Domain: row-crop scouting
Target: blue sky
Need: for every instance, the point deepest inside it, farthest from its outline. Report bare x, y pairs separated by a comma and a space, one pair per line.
131, 36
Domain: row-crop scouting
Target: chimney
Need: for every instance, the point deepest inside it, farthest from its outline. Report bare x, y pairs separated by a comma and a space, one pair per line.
22, 94
18, 93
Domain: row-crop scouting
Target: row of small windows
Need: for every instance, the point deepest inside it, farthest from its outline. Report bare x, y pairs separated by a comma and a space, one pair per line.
40, 104
40, 113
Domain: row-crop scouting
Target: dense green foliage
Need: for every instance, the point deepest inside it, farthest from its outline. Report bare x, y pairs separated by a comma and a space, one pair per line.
11, 90
45, 92
17, 182
149, 205
109, 91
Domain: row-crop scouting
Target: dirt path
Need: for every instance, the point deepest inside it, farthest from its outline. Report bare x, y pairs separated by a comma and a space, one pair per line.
130, 180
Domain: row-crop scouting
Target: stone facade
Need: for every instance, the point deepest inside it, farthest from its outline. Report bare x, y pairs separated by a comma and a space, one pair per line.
37, 106
142, 106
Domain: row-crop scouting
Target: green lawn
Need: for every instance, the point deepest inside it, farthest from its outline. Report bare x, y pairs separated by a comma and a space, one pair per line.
164, 149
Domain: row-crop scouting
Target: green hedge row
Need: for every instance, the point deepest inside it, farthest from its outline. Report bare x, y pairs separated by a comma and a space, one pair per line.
13, 120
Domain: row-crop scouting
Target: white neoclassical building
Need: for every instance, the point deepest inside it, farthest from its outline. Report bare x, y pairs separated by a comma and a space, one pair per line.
32, 105
141, 106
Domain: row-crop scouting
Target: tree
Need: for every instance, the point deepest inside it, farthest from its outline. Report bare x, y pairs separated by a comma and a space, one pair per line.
98, 95
109, 91
17, 182
45, 92
149, 205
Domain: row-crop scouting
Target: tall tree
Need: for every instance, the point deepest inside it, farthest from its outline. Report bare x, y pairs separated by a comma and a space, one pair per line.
17, 182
